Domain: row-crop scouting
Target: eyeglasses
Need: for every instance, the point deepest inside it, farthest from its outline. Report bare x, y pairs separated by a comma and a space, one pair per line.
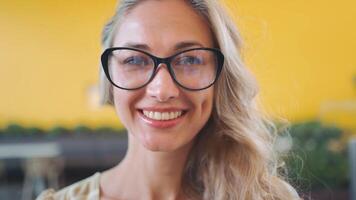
192, 69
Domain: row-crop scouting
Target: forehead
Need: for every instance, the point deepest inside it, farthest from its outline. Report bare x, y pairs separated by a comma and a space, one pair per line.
162, 24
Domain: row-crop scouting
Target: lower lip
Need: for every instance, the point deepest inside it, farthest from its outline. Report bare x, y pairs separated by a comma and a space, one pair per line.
161, 123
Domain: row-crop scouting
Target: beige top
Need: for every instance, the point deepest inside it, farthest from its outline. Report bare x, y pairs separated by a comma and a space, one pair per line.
87, 189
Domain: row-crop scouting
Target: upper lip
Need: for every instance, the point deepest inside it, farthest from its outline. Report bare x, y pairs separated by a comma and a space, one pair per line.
163, 109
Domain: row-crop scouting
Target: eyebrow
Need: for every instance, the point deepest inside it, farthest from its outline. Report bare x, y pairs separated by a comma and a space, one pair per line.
186, 44
178, 46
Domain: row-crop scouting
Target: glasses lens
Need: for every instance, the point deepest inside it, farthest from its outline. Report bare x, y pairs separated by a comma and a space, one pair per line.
129, 68
195, 69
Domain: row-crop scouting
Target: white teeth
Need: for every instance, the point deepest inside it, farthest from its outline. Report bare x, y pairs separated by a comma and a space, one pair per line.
162, 115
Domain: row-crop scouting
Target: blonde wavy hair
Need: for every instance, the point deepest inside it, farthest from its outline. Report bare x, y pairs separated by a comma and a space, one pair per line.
233, 157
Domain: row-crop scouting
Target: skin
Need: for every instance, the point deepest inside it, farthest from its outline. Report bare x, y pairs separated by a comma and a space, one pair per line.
154, 163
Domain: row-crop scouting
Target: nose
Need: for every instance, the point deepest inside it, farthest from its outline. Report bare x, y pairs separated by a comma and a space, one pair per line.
162, 87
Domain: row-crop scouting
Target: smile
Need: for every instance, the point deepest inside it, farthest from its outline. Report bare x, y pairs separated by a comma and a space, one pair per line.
161, 116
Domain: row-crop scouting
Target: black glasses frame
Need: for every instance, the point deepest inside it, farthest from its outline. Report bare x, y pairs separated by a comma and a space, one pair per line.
157, 60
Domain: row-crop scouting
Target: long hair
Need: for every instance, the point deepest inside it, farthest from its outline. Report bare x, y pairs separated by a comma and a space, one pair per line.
233, 156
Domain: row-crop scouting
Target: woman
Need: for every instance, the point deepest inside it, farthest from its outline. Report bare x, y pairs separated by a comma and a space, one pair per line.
172, 71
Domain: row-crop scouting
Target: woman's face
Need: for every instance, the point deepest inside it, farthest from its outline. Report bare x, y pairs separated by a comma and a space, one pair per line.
163, 28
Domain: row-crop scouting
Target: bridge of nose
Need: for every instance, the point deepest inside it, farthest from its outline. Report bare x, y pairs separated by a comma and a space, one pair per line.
163, 86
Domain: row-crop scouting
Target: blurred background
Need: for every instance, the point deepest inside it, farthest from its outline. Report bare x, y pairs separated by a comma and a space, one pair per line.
301, 52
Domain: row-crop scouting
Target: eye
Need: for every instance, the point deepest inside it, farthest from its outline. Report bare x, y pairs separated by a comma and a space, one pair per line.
189, 60
136, 60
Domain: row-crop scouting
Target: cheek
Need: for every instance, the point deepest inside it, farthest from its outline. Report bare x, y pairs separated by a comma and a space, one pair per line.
208, 100
119, 104
123, 102
204, 105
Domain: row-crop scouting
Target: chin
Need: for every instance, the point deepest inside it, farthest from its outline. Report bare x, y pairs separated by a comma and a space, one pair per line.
161, 145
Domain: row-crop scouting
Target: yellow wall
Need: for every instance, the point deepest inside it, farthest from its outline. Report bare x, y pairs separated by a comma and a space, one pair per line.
302, 53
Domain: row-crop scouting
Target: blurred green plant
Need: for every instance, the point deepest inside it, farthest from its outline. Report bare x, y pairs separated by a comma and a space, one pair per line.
82, 130
14, 130
17, 130
58, 130
317, 157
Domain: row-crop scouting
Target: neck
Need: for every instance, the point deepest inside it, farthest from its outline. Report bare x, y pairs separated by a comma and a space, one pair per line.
145, 174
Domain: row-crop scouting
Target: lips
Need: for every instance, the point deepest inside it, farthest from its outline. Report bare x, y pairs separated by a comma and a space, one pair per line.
162, 115
162, 118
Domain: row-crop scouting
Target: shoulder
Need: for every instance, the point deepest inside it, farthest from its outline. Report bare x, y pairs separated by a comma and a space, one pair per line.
86, 189
291, 191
